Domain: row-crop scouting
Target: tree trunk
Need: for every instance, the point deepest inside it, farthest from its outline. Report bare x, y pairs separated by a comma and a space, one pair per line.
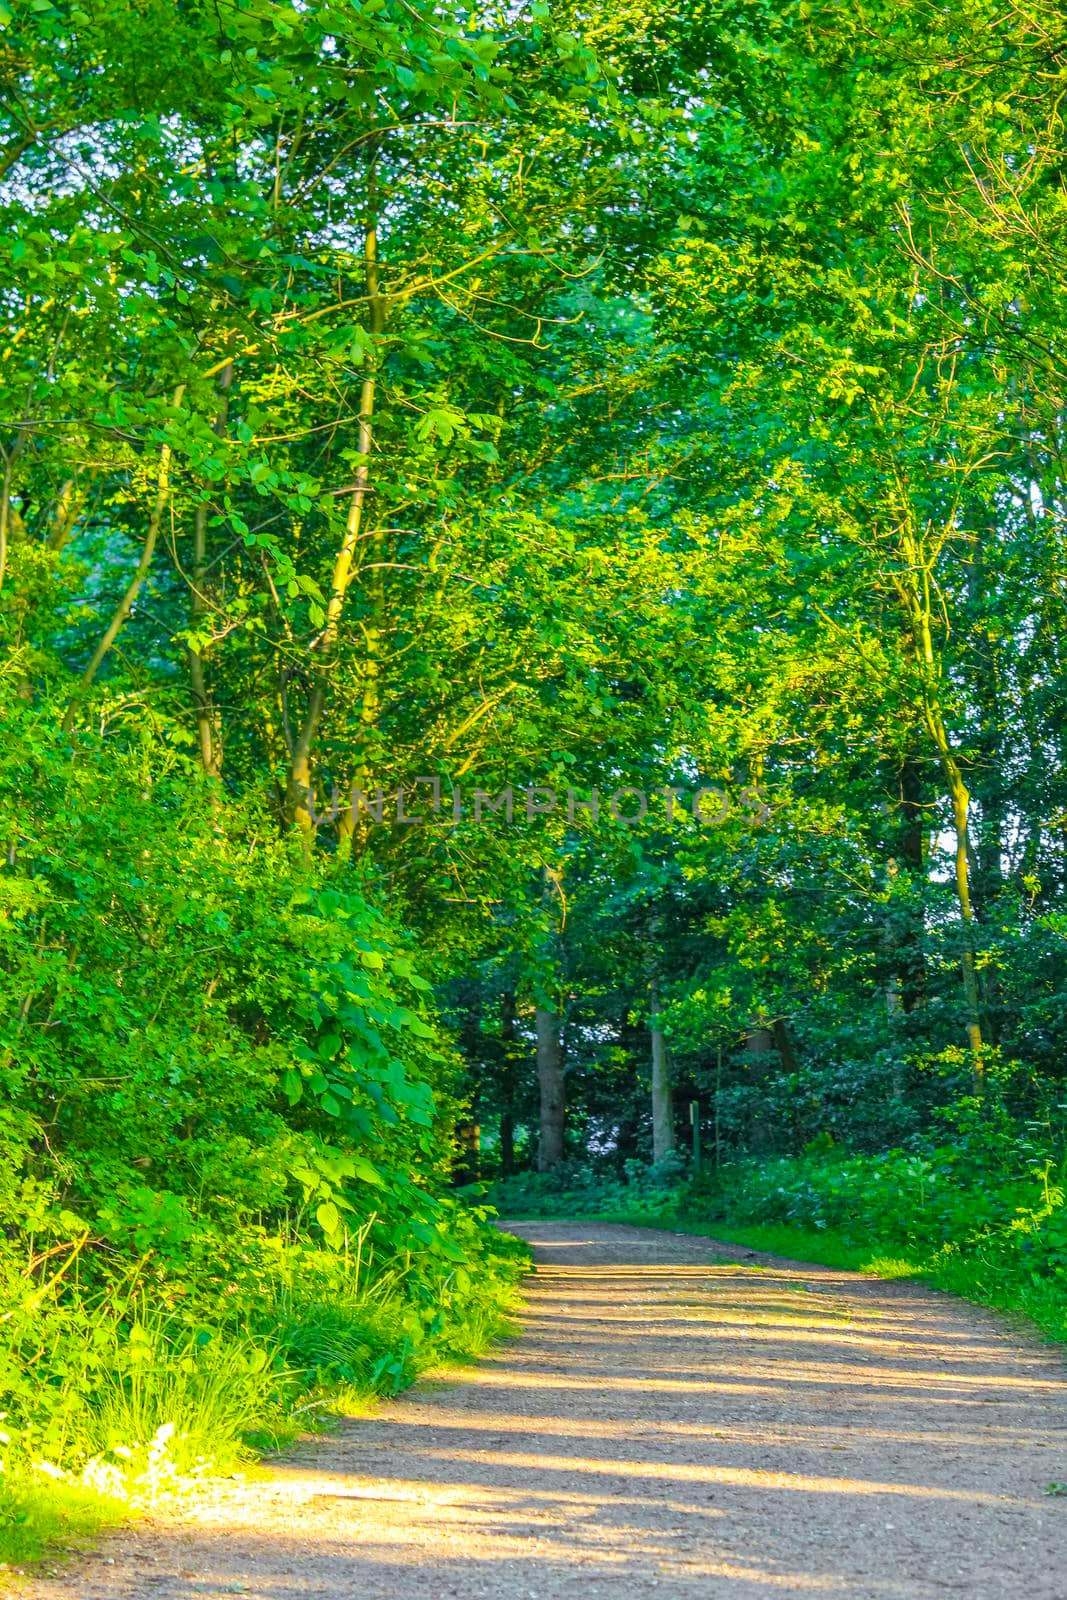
507, 1084
916, 591
783, 1044
69, 503
133, 588
911, 947
757, 1051
759, 1044
299, 780
507, 1143
208, 736
990, 789
662, 1097
960, 806
466, 1166
550, 1085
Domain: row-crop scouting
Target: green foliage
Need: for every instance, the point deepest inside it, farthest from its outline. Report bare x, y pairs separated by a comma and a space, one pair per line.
117, 1394
226, 1106
191, 1013
1004, 1245
576, 1190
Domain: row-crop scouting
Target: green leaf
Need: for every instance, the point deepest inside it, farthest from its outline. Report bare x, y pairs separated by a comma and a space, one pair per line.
366, 1172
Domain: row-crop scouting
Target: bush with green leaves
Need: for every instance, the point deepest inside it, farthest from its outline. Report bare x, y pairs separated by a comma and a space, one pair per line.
226, 1109
196, 1022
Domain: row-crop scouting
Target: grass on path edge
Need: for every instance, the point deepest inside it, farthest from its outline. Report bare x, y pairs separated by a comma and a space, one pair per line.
48, 1518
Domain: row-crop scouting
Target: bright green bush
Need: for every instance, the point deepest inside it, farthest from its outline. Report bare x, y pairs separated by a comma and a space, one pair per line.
225, 1115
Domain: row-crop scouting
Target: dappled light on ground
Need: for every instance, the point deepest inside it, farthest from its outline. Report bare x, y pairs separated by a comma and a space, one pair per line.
665, 1427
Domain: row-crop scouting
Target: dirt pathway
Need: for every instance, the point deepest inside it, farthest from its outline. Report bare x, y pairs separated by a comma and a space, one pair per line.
664, 1427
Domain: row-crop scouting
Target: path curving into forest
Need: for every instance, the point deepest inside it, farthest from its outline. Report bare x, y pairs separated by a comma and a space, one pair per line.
679, 1418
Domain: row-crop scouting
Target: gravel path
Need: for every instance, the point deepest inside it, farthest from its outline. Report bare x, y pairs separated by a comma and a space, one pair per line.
681, 1419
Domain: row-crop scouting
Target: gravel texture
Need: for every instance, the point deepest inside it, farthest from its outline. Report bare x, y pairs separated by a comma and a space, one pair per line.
680, 1418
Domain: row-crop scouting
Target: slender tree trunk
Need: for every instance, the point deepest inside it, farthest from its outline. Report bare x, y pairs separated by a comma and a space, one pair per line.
8, 515
960, 807
916, 590
662, 1094
468, 1137
988, 779
298, 786
5, 514
759, 1045
551, 1086
507, 1084
911, 949
961, 801
205, 734
133, 588
783, 1044
208, 735
718, 1097
757, 1052
69, 503
507, 1142
893, 1005
549, 1026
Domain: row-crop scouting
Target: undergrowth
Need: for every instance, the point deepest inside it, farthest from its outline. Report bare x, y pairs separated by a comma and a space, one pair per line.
226, 1114
141, 1392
